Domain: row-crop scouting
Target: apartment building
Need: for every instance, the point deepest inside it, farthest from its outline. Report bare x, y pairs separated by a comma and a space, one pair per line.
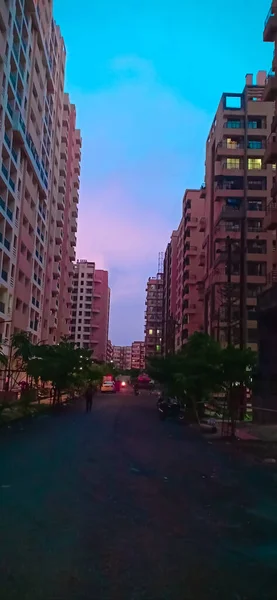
122, 357
100, 314
239, 252
190, 268
138, 356
33, 173
169, 295
154, 316
90, 309
82, 302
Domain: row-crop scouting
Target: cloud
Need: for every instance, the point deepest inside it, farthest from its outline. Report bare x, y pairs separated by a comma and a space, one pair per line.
140, 152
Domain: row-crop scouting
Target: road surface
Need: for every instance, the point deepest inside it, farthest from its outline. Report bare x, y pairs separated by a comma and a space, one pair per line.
118, 505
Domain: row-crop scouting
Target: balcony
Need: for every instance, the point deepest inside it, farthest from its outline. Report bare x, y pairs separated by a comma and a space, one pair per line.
270, 155
270, 91
202, 224
55, 287
64, 150
60, 218
191, 251
231, 229
230, 213
270, 219
60, 202
230, 167
23, 137
59, 235
229, 148
72, 238
63, 167
270, 26
223, 191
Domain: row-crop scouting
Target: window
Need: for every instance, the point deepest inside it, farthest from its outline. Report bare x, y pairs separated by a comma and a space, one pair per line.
257, 269
150, 331
233, 163
256, 123
251, 313
256, 246
255, 144
255, 205
233, 124
252, 335
158, 347
233, 144
254, 163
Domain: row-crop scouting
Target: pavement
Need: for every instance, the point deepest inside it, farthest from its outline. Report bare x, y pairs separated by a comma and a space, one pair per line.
117, 505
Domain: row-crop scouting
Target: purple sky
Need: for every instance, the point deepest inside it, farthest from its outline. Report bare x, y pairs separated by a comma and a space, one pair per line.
146, 82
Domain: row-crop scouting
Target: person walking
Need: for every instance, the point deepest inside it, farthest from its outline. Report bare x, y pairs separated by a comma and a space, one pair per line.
90, 391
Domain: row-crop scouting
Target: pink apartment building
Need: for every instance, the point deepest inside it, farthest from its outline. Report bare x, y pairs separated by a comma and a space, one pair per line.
169, 294
190, 268
90, 309
36, 189
154, 316
101, 314
138, 356
239, 251
122, 357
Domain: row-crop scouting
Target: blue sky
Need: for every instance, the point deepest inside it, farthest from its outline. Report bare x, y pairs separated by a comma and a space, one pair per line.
146, 82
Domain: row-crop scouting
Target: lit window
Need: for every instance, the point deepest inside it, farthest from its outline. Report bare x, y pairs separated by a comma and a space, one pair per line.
158, 347
254, 163
150, 331
158, 331
232, 144
233, 163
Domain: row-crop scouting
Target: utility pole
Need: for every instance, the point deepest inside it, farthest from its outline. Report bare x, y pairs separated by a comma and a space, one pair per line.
243, 234
229, 288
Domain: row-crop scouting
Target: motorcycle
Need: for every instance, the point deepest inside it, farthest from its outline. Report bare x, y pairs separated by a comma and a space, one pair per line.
168, 408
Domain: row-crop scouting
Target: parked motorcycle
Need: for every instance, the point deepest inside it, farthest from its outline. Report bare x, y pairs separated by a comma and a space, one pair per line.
168, 408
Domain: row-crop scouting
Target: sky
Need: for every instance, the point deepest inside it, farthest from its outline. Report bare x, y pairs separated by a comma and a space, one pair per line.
146, 78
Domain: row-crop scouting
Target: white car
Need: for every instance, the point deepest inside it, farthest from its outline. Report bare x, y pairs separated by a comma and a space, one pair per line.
108, 387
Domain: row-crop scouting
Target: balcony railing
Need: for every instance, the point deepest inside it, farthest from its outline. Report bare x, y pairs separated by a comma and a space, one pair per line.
19, 125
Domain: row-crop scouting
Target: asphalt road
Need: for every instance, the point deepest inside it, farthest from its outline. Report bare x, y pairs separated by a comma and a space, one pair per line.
118, 505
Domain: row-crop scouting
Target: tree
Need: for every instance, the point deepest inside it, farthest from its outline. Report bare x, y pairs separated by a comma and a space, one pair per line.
237, 366
201, 369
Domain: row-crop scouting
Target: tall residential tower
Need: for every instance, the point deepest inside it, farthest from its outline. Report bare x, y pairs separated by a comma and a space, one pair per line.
39, 174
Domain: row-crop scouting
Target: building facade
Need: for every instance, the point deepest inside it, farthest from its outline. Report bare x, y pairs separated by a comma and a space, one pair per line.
190, 268
100, 315
154, 316
122, 357
238, 251
138, 356
34, 171
90, 309
82, 302
169, 295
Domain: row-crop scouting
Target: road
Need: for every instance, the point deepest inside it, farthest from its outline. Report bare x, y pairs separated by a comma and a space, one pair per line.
118, 505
